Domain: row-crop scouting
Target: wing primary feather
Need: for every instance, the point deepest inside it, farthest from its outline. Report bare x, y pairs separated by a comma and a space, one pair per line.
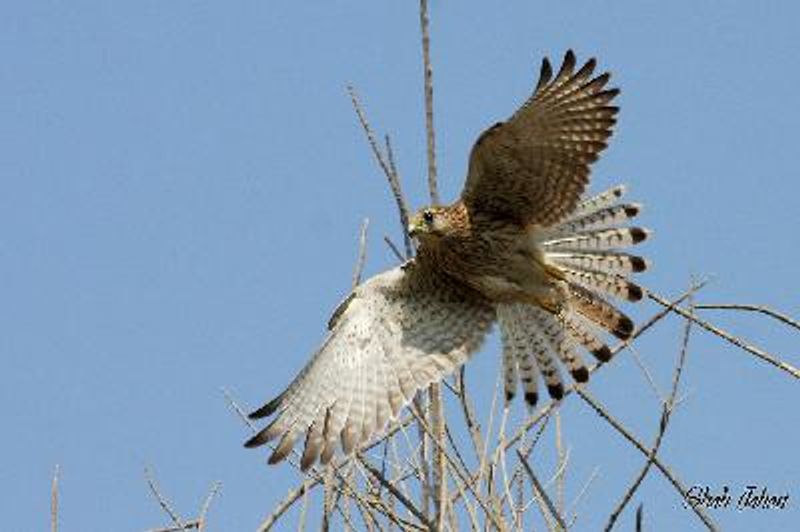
545, 73
268, 409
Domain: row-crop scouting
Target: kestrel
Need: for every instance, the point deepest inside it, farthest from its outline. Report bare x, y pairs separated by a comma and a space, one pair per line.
518, 247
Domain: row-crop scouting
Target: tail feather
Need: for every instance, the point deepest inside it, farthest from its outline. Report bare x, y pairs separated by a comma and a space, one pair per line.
584, 334
600, 312
510, 363
605, 218
605, 283
607, 262
562, 344
596, 203
602, 240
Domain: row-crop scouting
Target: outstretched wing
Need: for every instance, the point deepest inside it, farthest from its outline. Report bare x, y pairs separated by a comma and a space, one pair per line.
397, 333
534, 167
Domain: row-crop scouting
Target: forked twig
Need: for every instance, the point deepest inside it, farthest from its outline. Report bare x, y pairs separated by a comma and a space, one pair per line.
162, 501
387, 165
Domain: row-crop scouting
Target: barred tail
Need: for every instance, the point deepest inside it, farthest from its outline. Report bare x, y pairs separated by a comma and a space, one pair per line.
585, 248
584, 252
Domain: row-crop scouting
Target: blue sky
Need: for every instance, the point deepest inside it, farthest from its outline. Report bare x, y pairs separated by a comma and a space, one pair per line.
182, 186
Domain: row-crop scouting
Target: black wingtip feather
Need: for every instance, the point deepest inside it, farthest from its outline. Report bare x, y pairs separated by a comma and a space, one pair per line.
569, 58
266, 410
545, 74
587, 68
256, 441
567, 66
509, 396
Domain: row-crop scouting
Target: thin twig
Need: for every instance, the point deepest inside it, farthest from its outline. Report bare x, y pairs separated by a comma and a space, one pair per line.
358, 270
468, 483
738, 342
236, 408
410, 506
165, 505
580, 496
752, 308
473, 425
54, 499
667, 408
394, 248
541, 492
561, 456
293, 496
397, 191
679, 486
387, 165
207, 505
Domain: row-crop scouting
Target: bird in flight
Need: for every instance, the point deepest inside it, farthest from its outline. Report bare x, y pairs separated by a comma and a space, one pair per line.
520, 247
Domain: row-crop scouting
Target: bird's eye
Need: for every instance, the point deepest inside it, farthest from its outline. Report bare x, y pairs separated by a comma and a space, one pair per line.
428, 217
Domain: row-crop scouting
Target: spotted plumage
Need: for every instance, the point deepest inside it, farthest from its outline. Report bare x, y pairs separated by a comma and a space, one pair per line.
519, 247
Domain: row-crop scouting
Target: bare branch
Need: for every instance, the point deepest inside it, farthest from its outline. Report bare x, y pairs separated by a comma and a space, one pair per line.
430, 132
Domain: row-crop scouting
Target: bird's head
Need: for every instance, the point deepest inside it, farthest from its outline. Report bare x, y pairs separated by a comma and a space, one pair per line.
430, 222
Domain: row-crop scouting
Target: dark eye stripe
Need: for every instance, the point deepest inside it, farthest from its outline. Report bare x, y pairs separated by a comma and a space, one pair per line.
427, 216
